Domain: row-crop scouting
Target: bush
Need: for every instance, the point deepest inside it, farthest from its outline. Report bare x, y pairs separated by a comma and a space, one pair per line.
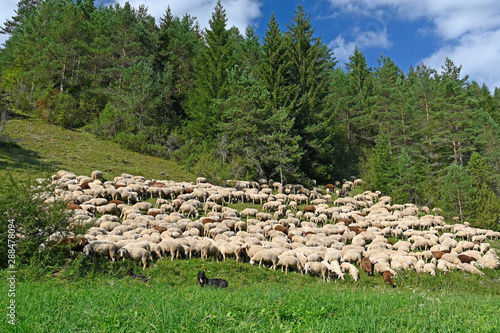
28, 221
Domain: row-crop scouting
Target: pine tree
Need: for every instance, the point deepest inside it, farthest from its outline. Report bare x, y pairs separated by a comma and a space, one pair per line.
24, 8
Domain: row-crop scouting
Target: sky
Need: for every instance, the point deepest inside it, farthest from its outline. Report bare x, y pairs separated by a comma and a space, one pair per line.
410, 32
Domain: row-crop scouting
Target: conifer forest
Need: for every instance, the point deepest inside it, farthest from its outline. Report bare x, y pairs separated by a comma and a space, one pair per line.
228, 104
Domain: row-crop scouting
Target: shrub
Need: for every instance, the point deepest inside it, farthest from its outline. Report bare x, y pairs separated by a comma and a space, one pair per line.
29, 219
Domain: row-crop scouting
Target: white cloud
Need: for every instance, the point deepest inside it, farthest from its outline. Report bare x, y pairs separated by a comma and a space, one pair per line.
468, 30
239, 13
343, 49
478, 53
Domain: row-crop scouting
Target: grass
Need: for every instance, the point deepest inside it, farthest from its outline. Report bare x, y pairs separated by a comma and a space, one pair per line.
35, 147
257, 300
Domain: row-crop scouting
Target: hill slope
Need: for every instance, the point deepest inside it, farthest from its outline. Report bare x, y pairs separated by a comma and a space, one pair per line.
38, 148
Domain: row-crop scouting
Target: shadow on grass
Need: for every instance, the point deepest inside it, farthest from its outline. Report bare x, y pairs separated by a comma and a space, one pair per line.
13, 157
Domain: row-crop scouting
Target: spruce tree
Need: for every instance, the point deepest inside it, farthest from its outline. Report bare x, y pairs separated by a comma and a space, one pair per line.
216, 58
311, 64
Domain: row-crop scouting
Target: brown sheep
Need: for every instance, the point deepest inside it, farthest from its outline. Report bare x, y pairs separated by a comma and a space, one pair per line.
439, 254
330, 187
309, 208
465, 258
367, 265
387, 278
73, 206
118, 202
281, 228
160, 229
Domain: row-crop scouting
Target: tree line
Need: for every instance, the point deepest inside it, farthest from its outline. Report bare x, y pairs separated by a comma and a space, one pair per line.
230, 105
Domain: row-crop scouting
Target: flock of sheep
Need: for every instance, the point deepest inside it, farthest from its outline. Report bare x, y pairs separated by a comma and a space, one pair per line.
329, 238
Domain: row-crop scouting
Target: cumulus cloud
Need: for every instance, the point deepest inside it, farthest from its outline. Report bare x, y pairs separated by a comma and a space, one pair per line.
468, 30
370, 38
239, 13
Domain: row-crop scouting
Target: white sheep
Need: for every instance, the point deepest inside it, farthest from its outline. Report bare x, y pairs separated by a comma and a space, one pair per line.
208, 248
103, 248
230, 249
470, 269
334, 269
430, 268
136, 254
267, 256
353, 271
289, 261
172, 246
317, 268
352, 257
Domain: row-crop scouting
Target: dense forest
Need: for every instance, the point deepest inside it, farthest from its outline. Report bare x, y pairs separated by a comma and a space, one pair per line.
229, 105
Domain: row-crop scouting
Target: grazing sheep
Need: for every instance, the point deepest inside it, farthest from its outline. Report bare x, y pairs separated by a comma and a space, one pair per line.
172, 246
430, 268
289, 261
317, 268
97, 174
266, 255
334, 269
470, 269
388, 278
108, 209
351, 256
230, 249
102, 248
209, 249
353, 271
367, 266
136, 254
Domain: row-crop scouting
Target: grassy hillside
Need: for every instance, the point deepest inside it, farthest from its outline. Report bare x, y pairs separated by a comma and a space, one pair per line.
39, 149
97, 296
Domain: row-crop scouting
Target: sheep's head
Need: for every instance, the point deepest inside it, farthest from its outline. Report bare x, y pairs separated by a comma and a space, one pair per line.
122, 253
87, 250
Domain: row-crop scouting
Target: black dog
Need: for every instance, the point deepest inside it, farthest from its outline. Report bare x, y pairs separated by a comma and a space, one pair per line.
135, 276
204, 281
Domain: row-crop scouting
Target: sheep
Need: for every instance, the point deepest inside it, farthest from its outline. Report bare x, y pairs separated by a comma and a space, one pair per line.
388, 278
289, 261
249, 212
230, 249
351, 256
430, 268
465, 258
209, 249
489, 260
353, 271
265, 255
367, 265
102, 248
334, 269
172, 246
136, 254
470, 269
317, 268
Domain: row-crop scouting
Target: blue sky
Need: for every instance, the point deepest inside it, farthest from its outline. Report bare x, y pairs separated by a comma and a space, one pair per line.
409, 31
